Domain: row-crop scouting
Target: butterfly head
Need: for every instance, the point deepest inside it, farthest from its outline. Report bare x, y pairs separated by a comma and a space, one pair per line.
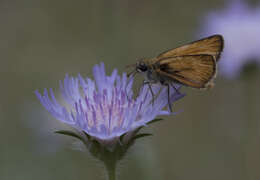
141, 66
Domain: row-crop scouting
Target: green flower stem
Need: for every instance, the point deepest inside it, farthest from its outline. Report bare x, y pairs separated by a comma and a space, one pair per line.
111, 169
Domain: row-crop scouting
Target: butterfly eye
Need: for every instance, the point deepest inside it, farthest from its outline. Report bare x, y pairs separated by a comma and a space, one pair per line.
142, 67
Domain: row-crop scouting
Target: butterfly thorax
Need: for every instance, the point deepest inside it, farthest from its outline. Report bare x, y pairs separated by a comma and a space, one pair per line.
149, 68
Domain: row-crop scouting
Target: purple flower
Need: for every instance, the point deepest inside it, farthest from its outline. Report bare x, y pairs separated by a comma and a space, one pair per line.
105, 108
240, 26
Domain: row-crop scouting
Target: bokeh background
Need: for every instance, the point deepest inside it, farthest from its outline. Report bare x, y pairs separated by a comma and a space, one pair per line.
215, 136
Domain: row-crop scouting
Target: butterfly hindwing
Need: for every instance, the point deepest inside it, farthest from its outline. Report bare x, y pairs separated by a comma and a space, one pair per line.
191, 70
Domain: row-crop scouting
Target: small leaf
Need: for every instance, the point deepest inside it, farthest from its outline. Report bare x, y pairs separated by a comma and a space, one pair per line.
122, 137
141, 135
70, 133
138, 129
88, 136
155, 120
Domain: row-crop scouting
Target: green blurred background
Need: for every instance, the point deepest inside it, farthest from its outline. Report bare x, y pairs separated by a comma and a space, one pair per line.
216, 136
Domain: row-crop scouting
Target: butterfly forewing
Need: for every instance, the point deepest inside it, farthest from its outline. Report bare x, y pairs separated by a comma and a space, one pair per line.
191, 70
212, 45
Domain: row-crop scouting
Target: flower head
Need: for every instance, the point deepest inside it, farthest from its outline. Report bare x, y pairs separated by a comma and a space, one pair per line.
105, 108
240, 26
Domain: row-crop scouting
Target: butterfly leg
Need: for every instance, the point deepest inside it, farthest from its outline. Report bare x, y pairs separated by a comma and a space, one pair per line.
141, 88
130, 76
176, 90
150, 88
169, 98
126, 89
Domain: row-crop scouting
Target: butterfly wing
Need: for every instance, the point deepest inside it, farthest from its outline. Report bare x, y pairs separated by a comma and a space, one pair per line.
212, 45
191, 70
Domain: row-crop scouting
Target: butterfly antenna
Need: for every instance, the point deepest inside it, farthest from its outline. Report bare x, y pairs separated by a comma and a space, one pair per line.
130, 66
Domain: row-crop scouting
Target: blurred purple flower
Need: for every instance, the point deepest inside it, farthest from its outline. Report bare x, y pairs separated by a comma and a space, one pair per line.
105, 108
240, 26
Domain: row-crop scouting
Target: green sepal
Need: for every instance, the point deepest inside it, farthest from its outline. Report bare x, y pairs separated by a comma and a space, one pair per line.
87, 136
71, 134
141, 135
100, 151
155, 120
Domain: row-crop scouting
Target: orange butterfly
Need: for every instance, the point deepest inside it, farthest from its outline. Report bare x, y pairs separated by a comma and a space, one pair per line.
192, 65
